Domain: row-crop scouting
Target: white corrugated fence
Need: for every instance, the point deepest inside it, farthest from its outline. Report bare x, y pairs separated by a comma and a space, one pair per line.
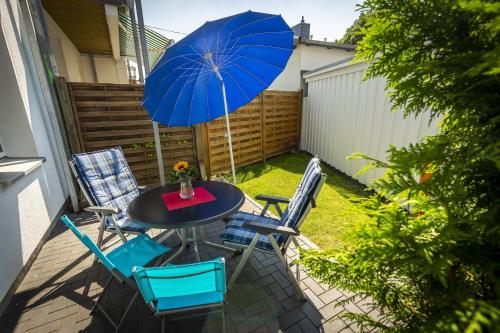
343, 114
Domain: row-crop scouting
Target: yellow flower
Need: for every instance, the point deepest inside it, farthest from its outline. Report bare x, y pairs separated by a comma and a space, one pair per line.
181, 166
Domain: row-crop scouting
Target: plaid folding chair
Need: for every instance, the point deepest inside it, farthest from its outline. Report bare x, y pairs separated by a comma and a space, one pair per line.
107, 181
139, 251
182, 288
266, 234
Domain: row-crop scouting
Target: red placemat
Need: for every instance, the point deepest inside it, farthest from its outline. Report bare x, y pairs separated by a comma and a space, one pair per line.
173, 200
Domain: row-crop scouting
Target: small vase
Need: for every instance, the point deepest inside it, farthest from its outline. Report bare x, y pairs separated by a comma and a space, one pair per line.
187, 191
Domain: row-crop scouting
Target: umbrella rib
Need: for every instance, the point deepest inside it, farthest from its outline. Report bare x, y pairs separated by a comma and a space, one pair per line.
244, 25
195, 60
203, 75
208, 105
175, 104
180, 67
259, 46
204, 41
224, 56
229, 62
191, 102
236, 45
154, 87
237, 84
192, 48
223, 26
165, 94
179, 56
262, 33
252, 74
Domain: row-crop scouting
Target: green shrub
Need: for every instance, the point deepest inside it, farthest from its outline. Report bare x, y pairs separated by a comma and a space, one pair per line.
431, 263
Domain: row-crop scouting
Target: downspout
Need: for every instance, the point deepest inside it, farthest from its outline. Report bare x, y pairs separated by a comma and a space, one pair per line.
136, 41
94, 69
147, 69
48, 94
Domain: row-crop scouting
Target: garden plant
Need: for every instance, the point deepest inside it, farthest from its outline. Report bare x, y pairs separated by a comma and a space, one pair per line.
430, 261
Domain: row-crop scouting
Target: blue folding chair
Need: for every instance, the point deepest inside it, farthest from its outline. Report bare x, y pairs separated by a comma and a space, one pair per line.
181, 288
107, 181
166, 290
269, 235
139, 251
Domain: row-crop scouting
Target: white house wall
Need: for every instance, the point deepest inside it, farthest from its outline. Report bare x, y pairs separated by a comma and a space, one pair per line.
312, 57
76, 66
28, 206
343, 114
110, 70
65, 52
306, 58
290, 78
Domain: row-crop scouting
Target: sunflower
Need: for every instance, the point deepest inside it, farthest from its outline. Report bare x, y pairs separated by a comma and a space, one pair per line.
181, 166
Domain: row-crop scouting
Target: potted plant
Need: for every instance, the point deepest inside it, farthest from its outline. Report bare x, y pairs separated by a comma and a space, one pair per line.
183, 173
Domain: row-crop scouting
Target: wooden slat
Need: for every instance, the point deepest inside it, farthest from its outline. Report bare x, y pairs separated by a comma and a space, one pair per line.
70, 119
111, 115
260, 129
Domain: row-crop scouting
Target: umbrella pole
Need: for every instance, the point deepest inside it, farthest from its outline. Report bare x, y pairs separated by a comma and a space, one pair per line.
230, 141
209, 59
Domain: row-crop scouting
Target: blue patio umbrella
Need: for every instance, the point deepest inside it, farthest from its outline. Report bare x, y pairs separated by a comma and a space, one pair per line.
219, 67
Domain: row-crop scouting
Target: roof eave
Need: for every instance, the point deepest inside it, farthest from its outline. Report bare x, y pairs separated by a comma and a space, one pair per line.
310, 42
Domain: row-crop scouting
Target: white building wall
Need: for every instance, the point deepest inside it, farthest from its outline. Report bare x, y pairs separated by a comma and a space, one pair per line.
110, 70
312, 57
343, 114
290, 78
76, 66
29, 206
65, 52
305, 58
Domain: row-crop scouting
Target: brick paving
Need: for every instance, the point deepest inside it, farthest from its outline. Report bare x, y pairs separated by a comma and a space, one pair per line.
58, 292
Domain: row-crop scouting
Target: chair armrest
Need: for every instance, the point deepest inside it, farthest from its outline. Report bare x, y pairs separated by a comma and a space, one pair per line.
267, 228
144, 188
107, 210
271, 199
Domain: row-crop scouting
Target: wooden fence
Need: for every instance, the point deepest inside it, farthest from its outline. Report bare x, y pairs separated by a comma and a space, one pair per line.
108, 115
100, 115
266, 127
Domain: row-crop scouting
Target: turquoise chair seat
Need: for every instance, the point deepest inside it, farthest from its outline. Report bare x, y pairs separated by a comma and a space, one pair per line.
182, 286
136, 252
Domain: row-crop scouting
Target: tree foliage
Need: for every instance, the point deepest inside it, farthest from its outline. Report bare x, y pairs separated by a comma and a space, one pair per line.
354, 33
431, 260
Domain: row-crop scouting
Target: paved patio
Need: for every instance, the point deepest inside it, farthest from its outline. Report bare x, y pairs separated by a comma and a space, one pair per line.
58, 292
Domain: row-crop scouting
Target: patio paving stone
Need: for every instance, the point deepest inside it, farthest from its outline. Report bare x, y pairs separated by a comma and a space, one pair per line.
58, 292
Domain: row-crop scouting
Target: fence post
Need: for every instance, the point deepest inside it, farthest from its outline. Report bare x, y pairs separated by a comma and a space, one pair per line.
263, 124
70, 120
200, 148
299, 119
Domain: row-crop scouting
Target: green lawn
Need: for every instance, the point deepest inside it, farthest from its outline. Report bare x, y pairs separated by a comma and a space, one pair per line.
338, 210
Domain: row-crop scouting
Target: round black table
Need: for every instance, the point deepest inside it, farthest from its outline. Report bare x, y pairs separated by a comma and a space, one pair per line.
149, 210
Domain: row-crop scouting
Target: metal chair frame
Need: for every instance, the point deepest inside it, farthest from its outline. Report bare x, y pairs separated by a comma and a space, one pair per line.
164, 314
102, 217
268, 230
124, 281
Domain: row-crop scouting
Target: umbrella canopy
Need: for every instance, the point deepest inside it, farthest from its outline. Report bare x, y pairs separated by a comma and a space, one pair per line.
244, 52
